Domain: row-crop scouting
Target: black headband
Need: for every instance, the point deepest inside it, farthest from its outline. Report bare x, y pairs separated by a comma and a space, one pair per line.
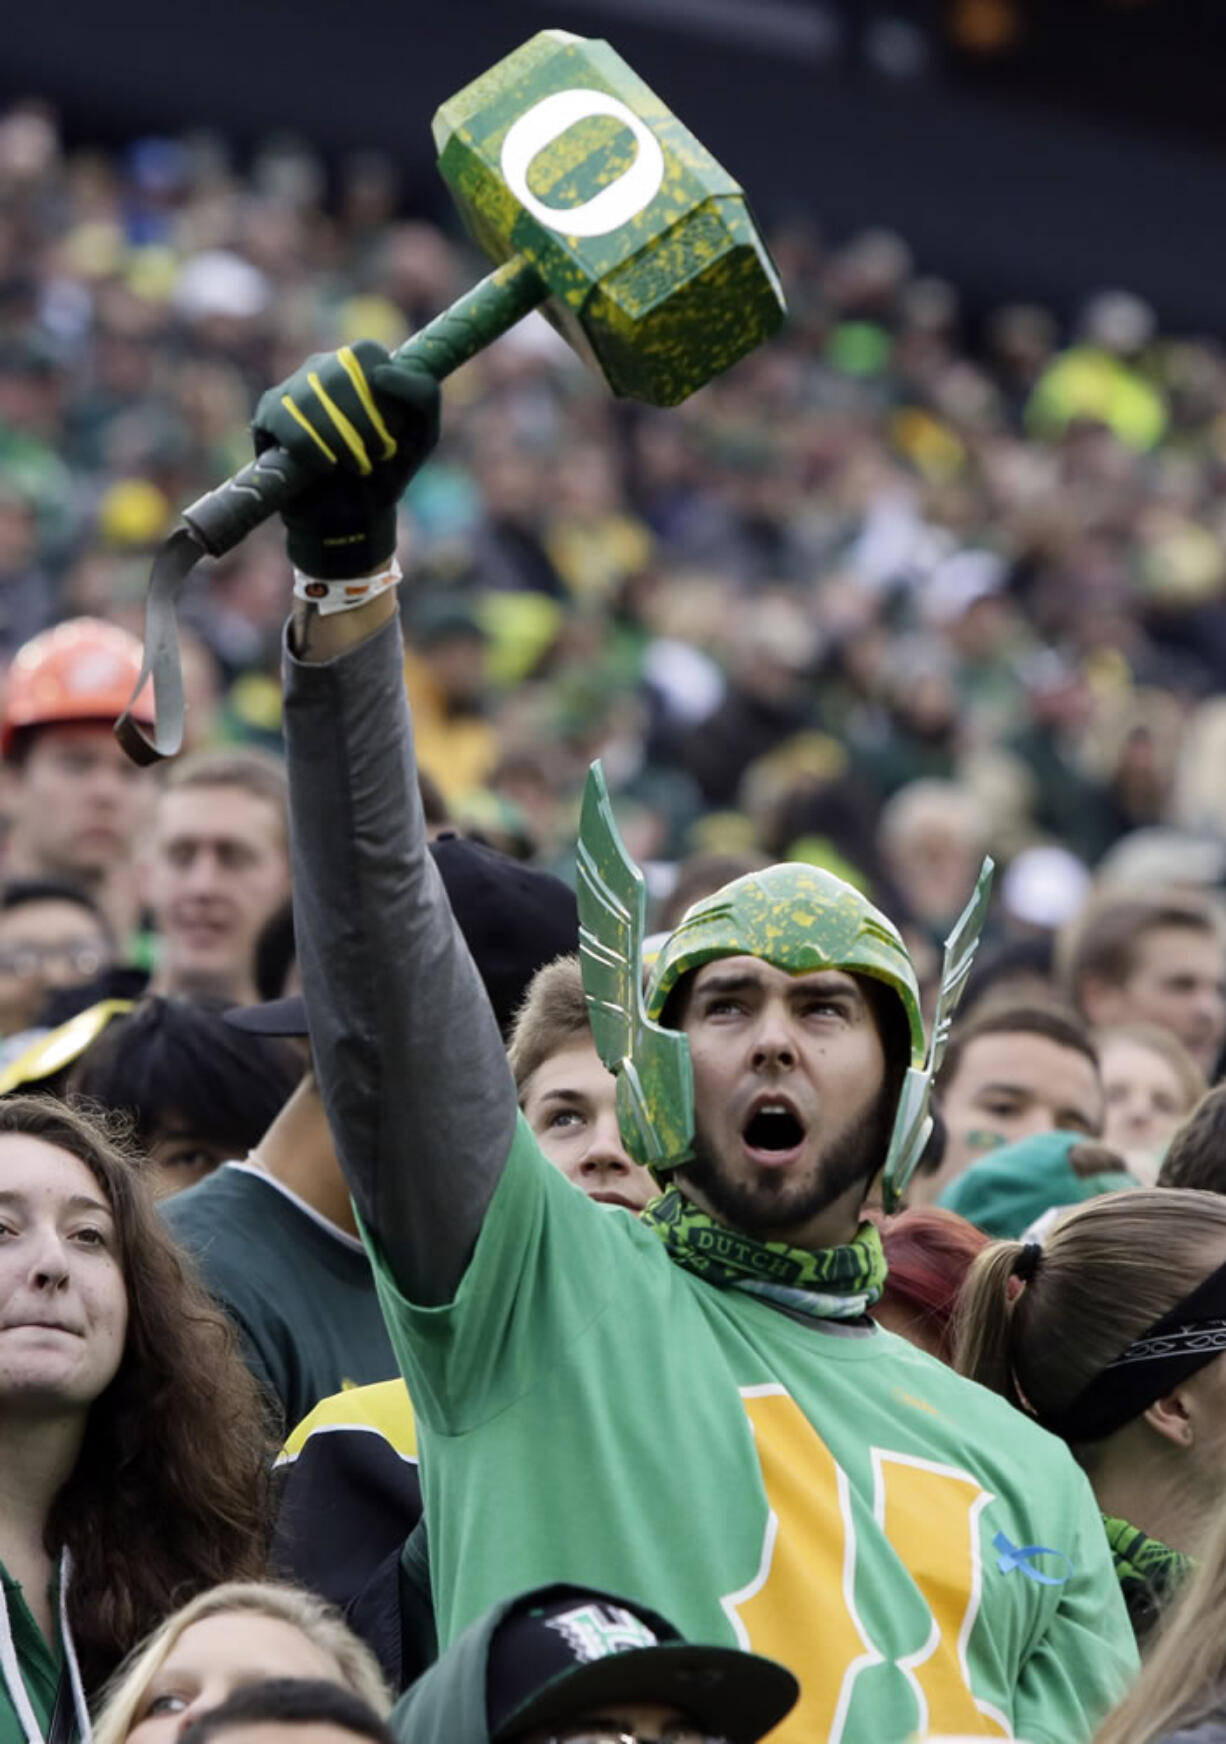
1190, 1335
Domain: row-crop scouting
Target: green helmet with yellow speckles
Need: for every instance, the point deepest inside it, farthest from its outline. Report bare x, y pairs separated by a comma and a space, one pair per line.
797, 918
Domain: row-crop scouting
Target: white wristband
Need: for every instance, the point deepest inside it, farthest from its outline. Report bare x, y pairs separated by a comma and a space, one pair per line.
345, 596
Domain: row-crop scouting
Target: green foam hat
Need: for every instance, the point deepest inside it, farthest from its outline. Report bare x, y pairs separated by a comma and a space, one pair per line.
797, 918
1006, 1191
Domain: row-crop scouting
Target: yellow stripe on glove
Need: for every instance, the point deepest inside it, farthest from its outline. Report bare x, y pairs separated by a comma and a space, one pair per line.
310, 429
361, 388
344, 429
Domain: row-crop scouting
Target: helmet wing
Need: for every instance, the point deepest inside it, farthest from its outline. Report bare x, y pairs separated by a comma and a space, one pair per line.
913, 1122
655, 1086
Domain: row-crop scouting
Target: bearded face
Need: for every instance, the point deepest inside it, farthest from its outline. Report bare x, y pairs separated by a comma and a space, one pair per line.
794, 1103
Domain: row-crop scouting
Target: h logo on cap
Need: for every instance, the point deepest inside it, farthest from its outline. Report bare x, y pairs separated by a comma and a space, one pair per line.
595, 1631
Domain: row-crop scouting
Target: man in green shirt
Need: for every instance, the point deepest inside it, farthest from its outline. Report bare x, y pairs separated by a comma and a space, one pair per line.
691, 1408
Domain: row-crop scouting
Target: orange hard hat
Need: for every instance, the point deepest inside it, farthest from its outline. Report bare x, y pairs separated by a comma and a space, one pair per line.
82, 670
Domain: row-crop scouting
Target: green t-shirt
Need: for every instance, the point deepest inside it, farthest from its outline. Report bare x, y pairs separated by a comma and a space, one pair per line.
587, 1410
40, 1665
299, 1291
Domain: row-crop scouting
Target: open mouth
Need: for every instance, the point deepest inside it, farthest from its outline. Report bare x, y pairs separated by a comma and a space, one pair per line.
773, 1130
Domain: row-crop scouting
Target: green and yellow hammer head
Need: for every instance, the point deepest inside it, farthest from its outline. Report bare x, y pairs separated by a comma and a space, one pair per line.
655, 271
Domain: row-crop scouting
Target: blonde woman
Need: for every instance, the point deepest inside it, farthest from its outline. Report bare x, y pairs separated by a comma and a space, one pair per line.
1180, 1696
1111, 1335
235, 1634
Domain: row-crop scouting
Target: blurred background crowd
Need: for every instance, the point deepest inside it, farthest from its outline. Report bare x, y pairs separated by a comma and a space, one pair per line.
902, 589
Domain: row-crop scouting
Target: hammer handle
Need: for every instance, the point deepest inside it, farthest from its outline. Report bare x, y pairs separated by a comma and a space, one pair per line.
223, 517
476, 319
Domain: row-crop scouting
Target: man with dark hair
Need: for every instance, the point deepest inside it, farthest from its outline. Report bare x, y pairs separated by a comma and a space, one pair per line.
283, 1710
197, 1094
1008, 1073
828, 1493
1150, 959
1196, 1156
53, 935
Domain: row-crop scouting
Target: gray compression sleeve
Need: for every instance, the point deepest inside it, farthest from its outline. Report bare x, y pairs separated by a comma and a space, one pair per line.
408, 1054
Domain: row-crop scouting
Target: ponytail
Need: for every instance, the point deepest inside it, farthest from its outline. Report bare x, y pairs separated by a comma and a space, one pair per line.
1037, 1325
985, 1326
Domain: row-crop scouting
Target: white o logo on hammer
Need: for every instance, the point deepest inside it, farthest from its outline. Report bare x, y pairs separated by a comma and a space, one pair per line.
622, 200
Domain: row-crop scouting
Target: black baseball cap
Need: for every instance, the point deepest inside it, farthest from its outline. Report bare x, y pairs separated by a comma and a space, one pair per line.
566, 1652
514, 918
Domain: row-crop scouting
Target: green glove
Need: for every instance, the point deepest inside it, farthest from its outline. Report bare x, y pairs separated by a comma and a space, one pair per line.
364, 425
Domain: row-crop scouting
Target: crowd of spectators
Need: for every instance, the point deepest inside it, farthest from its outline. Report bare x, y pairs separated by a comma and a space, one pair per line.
899, 589
910, 585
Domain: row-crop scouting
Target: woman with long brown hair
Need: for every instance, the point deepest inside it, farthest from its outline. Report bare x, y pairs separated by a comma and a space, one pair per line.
133, 1450
1110, 1334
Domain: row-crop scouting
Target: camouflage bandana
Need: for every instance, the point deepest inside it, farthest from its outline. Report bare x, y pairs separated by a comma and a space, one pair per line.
836, 1283
1150, 1573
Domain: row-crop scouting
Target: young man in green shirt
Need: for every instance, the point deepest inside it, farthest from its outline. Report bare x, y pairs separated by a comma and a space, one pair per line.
690, 1408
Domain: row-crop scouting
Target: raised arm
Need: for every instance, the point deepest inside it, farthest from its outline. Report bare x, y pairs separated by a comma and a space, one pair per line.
409, 1056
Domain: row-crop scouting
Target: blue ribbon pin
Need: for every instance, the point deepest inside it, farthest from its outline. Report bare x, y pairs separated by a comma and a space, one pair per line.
1011, 1556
